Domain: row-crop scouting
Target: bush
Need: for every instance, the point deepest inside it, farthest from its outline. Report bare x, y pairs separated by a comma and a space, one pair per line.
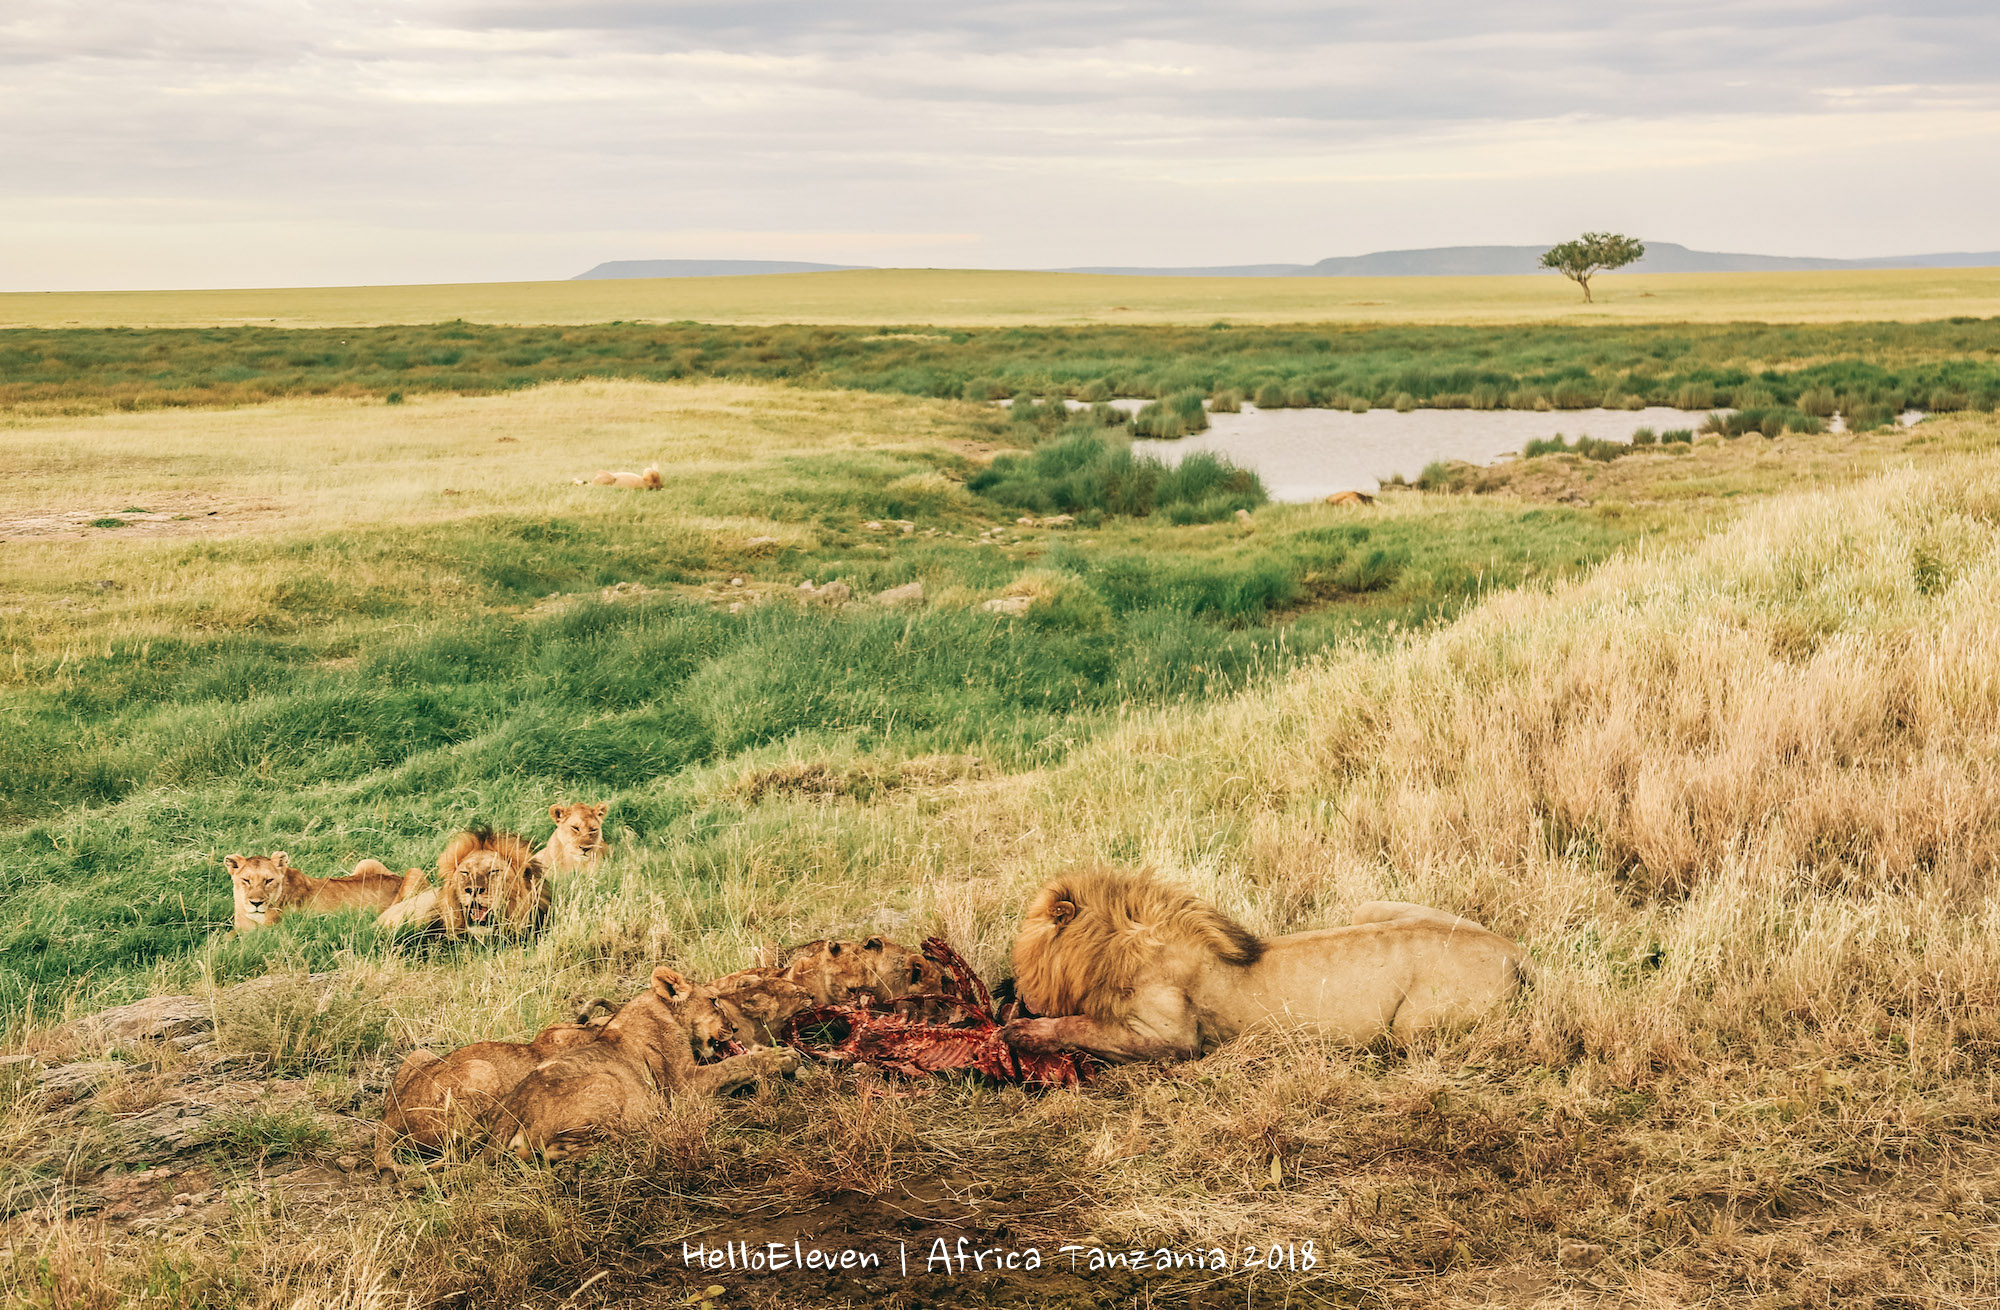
1645, 437
1677, 437
1176, 416
1404, 402
1086, 471
1588, 447
1227, 401
1270, 396
1095, 391
1694, 395
1819, 402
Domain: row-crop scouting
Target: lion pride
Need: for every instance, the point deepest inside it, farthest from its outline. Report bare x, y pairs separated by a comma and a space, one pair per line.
1129, 968
577, 1099
266, 888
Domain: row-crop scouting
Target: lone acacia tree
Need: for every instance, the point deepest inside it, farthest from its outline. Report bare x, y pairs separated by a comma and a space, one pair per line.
1591, 254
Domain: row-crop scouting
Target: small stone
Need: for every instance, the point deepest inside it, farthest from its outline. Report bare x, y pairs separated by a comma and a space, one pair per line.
1059, 521
1579, 1255
873, 525
910, 593
184, 1198
736, 582
347, 1164
73, 1082
153, 1019
1008, 605
835, 593
1025, 521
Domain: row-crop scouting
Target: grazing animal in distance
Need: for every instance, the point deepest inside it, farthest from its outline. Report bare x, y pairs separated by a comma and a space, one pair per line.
266, 888
649, 1052
647, 479
1126, 968
437, 1099
577, 845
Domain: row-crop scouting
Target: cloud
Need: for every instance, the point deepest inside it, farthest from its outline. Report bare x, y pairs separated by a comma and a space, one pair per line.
1084, 132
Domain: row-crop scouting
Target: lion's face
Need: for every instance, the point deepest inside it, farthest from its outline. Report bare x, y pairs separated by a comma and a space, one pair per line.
697, 1009
260, 882
480, 883
581, 826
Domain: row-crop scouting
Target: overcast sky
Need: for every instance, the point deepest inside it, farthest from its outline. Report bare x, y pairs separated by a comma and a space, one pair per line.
182, 143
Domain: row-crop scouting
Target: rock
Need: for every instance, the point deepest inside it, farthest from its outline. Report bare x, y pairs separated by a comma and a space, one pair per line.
1578, 1255
872, 525
736, 582
833, 593
1243, 517
154, 1019
910, 593
347, 1164
1008, 604
1059, 521
1025, 521
74, 1082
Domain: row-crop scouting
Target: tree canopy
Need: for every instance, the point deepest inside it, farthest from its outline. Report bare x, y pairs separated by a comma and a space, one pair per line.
1591, 254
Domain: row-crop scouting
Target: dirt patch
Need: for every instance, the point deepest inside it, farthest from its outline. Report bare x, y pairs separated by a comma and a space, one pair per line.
161, 516
823, 780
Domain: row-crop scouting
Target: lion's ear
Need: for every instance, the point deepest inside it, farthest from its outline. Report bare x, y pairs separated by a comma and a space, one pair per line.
600, 808
556, 813
833, 948
282, 860
1062, 912
670, 985
232, 862
872, 944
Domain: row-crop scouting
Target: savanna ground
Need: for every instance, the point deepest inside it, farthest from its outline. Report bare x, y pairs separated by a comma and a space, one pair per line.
975, 298
1712, 730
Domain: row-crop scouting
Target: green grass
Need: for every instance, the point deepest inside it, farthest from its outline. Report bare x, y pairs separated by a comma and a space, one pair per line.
1940, 365
359, 688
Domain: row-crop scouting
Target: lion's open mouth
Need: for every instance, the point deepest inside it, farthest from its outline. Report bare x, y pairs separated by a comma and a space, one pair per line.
478, 913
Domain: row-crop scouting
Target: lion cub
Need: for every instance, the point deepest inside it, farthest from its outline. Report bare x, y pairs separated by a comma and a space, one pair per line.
266, 889
835, 972
577, 844
436, 1099
575, 1100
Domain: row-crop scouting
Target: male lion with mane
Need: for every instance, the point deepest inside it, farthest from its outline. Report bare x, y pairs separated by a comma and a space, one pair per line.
266, 888
492, 881
1129, 968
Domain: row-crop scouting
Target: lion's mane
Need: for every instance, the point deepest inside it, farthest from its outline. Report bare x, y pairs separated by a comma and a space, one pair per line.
1091, 937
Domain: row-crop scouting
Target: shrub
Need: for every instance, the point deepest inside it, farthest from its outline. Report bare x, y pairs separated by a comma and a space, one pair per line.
1404, 402
1299, 397
1270, 396
1575, 394
1095, 391
1677, 437
1587, 446
1753, 395
1694, 395
1086, 471
1644, 437
1227, 401
1485, 398
1359, 405
1819, 402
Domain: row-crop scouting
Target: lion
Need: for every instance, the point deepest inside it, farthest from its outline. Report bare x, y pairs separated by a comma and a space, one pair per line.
648, 479
574, 1101
577, 844
757, 1002
492, 882
1128, 968
836, 972
267, 888
437, 1099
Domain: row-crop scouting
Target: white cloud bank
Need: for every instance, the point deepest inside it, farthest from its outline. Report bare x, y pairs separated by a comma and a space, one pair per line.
154, 143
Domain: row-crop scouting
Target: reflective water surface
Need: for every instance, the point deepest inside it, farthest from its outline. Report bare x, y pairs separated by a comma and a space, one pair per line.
1304, 454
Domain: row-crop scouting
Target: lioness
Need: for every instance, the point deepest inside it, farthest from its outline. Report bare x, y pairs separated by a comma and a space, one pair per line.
577, 844
647, 479
1130, 969
757, 1002
436, 1099
573, 1101
266, 889
835, 972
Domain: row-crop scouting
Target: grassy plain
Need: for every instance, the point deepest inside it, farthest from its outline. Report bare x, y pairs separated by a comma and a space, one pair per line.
971, 298
1722, 759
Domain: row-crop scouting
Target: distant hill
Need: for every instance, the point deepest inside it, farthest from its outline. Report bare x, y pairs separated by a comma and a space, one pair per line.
706, 268
1477, 261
